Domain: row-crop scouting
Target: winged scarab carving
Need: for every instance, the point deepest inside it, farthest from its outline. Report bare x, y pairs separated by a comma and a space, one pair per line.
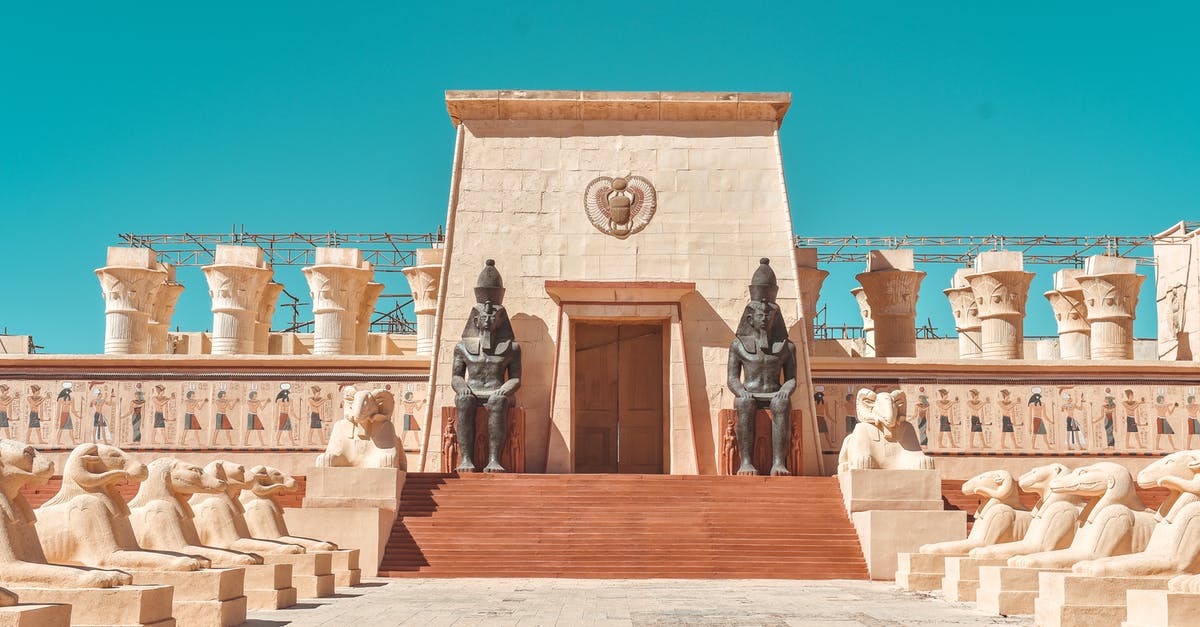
620, 206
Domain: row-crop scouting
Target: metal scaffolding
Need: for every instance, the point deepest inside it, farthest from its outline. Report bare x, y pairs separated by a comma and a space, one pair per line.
387, 252
1062, 250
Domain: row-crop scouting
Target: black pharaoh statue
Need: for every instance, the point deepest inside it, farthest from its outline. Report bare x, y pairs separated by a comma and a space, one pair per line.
760, 352
487, 370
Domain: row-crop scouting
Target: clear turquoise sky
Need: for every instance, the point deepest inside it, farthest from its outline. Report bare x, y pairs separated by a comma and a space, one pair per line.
946, 118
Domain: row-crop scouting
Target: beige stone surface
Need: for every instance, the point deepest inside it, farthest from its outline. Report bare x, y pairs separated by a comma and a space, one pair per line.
129, 282
1070, 314
336, 486
961, 582
127, 606
425, 280
269, 586
1000, 285
312, 573
517, 197
1069, 600
919, 572
337, 282
883, 534
236, 281
1160, 608
1009, 590
891, 287
35, 615
203, 598
366, 529
1176, 285
365, 437
864, 490
966, 316
1110, 291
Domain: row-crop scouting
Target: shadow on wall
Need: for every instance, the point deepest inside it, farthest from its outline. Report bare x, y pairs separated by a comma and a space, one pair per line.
537, 349
703, 328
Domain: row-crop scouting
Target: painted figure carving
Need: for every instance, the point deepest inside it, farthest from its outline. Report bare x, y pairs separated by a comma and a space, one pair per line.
883, 438
22, 561
1114, 520
762, 372
87, 522
162, 518
1000, 517
365, 436
1174, 545
264, 516
220, 518
1054, 517
487, 371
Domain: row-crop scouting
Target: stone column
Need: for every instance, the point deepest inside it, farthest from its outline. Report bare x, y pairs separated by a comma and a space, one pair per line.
1110, 292
1070, 312
425, 279
263, 316
892, 285
864, 308
810, 278
966, 316
366, 309
129, 283
163, 309
1001, 287
336, 281
236, 281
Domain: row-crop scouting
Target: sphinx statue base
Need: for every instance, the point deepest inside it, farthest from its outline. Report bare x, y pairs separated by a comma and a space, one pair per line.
126, 606
961, 582
14, 615
209, 597
1160, 608
1066, 599
1009, 590
354, 508
269, 587
312, 573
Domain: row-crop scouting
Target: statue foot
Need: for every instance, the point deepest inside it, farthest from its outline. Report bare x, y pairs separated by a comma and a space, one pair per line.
747, 469
494, 466
779, 470
466, 466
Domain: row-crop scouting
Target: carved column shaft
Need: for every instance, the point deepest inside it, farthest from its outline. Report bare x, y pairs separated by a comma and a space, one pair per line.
892, 295
864, 308
262, 318
425, 279
129, 284
1111, 301
366, 309
966, 316
1070, 313
1000, 296
236, 281
336, 282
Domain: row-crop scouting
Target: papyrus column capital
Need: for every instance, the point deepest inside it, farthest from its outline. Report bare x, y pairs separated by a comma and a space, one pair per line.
129, 283
1001, 287
1111, 286
892, 285
337, 283
966, 315
236, 281
810, 279
425, 279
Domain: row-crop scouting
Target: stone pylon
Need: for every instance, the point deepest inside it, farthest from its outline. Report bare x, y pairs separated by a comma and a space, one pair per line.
966, 315
810, 278
366, 309
1070, 312
1110, 292
425, 279
129, 283
337, 281
263, 316
1001, 287
236, 281
891, 285
864, 308
164, 307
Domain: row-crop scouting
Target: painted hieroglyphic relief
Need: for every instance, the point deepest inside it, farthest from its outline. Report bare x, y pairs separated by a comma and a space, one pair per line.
1053, 418
190, 415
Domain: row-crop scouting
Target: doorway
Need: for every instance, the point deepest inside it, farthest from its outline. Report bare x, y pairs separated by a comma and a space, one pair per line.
618, 398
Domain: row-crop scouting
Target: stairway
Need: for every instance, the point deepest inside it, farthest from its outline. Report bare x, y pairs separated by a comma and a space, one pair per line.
622, 526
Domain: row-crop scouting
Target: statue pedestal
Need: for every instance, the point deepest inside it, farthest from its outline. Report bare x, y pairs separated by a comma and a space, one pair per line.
961, 582
269, 586
354, 508
35, 615
897, 511
1159, 608
1008, 590
731, 458
918, 572
512, 454
124, 606
312, 574
346, 572
203, 598
1066, 599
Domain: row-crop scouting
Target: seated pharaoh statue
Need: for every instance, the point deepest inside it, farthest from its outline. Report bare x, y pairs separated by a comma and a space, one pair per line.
883, 437
486, 371
162, 518
264, 516
999, 518
1174, 546
22, 561
762, 372
1113, 522
87, 522
1053, 521
220, 518
365, 436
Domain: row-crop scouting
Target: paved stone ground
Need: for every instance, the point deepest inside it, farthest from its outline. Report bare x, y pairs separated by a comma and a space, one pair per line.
655, 602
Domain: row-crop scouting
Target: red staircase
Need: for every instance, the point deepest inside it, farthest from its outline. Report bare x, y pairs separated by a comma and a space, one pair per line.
622, 526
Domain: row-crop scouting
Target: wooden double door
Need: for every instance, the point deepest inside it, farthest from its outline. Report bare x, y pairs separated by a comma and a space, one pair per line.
619, 389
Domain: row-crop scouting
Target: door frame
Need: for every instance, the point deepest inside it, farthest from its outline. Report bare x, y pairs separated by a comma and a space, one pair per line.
664, 323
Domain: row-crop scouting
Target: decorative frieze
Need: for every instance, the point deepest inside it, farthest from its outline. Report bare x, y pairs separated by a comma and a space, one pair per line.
129, 283
891, 285
236, 281
1070, 312
1110, 293
1001, 287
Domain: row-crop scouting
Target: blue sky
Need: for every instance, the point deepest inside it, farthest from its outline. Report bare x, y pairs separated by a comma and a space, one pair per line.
942, 118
